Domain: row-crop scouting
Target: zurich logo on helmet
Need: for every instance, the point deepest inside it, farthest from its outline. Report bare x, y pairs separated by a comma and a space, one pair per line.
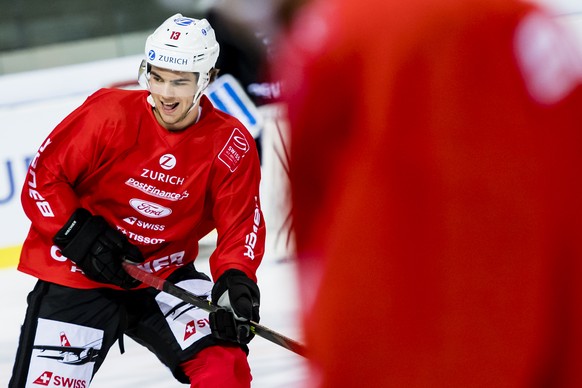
183, 21
152, 55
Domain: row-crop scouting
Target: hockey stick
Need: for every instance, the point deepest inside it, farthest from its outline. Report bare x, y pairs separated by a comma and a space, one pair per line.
188, 297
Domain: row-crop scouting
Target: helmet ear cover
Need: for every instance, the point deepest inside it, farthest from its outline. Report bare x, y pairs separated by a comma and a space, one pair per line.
143, 74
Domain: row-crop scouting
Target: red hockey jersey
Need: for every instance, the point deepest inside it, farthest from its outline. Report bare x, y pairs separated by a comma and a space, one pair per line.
435, 172
164, 190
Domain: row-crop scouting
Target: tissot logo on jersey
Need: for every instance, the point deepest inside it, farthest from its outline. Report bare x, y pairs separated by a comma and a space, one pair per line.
139, 238
47, 379
162, 177
155, 192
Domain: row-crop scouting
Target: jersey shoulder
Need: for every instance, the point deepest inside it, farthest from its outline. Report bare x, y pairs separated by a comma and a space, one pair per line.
116, 100
222, 123
232, 142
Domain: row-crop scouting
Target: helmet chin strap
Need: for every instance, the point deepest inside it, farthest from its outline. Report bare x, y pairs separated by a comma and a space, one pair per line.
190, 110
151, 101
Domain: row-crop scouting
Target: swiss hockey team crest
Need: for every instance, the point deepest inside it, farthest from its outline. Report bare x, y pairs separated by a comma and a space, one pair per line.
235, 149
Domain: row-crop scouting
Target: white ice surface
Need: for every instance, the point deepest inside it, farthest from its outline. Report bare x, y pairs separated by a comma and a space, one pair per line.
271, 365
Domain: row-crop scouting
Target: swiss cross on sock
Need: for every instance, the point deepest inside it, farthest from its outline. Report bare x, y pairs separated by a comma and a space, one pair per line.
190, 330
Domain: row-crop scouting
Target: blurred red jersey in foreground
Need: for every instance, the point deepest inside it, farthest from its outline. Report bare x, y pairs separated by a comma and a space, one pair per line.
436, 156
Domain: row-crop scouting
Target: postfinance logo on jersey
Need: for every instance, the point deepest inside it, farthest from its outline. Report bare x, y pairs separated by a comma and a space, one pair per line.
156, 192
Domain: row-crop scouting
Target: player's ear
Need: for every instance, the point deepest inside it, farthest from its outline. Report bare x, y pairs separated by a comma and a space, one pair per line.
213, 73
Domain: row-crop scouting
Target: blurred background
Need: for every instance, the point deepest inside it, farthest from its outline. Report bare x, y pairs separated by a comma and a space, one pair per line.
37, 34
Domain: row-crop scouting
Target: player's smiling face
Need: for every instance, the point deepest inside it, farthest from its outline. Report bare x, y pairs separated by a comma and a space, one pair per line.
173, 93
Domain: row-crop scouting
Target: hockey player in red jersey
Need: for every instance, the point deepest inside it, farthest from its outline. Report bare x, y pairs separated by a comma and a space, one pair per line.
143, 176
435, 166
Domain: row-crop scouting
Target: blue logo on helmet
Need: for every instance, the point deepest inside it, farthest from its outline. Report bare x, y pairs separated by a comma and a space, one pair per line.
152, 55
183, 21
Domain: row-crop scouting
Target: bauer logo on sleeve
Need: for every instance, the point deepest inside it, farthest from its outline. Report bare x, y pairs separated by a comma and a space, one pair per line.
235, 149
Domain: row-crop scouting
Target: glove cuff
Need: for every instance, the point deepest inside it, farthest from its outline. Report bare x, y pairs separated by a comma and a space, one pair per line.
74, 244
236, 292
74, 224
224, 281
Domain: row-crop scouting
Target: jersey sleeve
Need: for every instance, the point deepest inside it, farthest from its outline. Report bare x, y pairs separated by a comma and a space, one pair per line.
237, 209
48, 196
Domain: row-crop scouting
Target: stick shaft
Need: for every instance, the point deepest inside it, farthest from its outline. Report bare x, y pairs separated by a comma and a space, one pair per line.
188, 297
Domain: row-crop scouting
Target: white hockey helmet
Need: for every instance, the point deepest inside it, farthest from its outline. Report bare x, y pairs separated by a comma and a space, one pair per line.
182, 44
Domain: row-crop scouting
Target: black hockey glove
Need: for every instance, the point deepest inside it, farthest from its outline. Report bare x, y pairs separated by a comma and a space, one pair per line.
98, 249
238, 298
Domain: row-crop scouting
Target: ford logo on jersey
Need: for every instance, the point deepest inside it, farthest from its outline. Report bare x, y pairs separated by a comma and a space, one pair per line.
149, 209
